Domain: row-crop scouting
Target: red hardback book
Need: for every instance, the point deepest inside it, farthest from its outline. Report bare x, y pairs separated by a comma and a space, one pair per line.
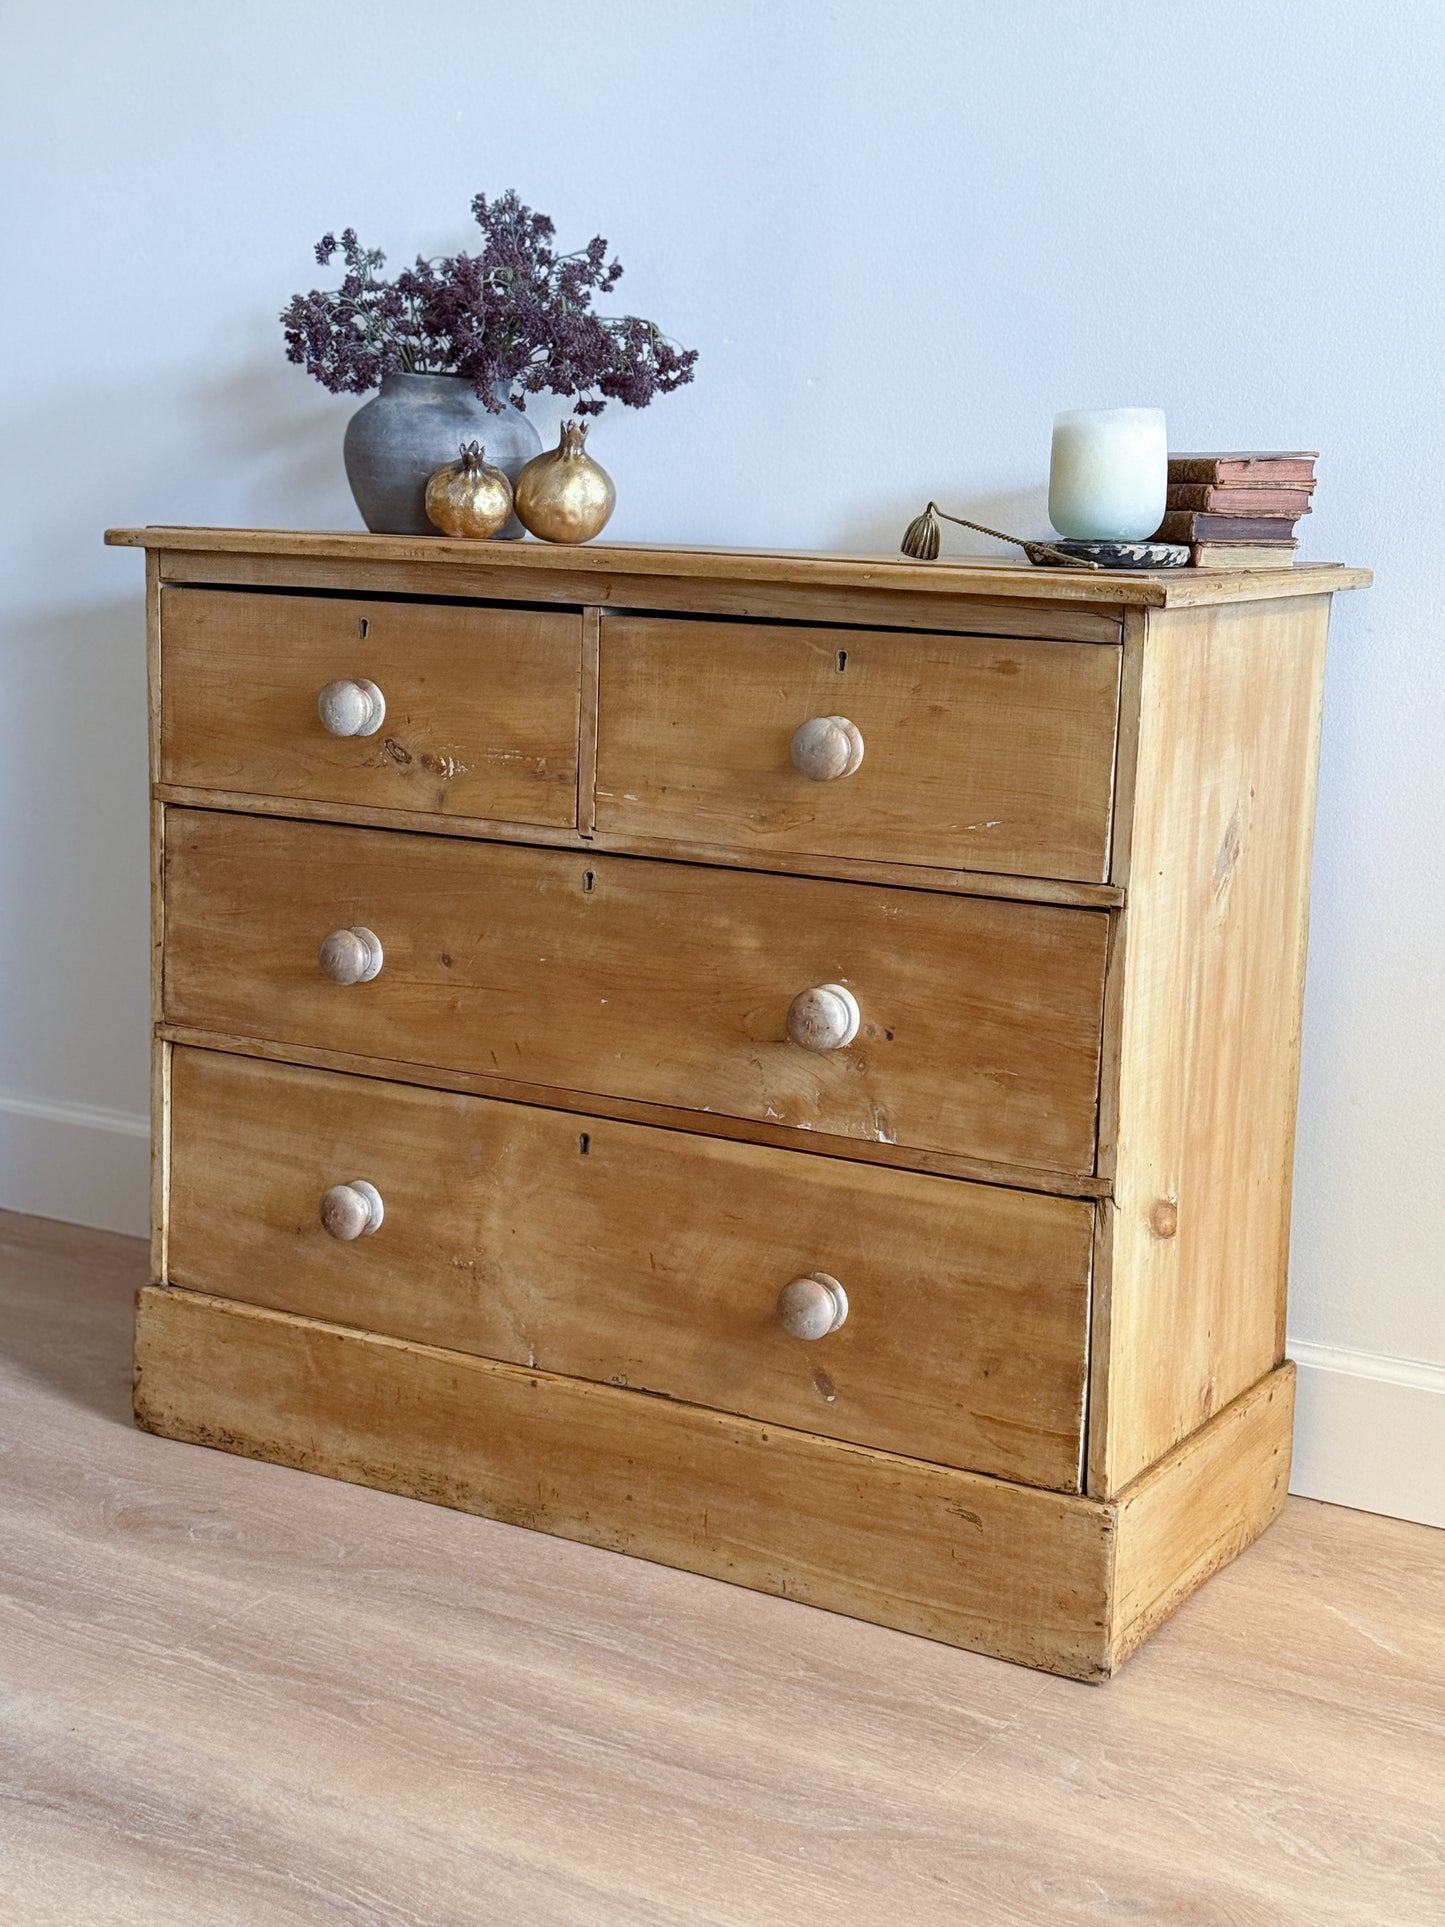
1248, 468
1227, 498
1192, 525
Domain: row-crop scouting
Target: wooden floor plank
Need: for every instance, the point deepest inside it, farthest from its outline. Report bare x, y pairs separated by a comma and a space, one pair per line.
233, 1694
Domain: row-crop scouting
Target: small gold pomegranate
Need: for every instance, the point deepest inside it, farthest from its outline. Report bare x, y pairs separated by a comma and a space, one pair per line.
563, 495
469, 496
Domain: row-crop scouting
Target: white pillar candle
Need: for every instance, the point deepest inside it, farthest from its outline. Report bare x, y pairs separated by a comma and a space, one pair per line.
1109, 478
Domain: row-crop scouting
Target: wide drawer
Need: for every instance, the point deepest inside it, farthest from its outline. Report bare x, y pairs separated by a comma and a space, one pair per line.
481, 705
661, 982
647, 1258
978, 752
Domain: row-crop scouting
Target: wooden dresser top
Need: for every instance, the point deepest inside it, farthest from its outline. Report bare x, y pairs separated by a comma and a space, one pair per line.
960, 576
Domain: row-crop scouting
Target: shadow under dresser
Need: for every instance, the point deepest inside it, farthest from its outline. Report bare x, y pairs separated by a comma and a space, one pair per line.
783, 1065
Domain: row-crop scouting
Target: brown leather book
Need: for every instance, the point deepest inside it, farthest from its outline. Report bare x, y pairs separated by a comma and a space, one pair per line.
1228, 498
1193, 525
1242, 555
1247, 467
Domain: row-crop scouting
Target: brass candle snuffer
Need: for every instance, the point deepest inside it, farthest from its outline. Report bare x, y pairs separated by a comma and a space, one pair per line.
920, 540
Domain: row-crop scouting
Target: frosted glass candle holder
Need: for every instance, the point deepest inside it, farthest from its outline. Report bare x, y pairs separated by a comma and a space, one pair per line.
1109, 477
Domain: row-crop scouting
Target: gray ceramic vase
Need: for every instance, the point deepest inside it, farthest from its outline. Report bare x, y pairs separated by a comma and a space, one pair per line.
409, 429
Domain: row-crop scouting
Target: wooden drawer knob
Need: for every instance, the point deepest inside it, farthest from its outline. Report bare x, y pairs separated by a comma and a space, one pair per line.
348, 1210
826, 747
351, 956
812, 1307
351, 708
825, 1018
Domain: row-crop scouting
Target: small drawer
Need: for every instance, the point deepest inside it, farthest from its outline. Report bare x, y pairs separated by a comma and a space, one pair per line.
654, 1259
960, 752
946, 1023
449, 710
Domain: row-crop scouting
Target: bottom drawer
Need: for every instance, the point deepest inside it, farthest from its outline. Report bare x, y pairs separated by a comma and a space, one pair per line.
643, 1257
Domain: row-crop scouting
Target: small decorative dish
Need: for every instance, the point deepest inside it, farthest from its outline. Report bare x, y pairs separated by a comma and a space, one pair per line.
1126, 555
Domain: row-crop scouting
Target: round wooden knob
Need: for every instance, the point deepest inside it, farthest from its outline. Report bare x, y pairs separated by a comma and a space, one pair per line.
348, 1210
351, 956
351, 708
823, 1019
812, 1307
826, 747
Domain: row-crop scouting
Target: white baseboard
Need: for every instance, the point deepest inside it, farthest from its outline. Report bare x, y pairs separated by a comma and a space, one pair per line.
1370, 1432
76, 1162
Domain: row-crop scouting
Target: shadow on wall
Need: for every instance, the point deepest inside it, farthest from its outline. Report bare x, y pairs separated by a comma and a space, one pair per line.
278, 436
75, 958
1020, 511
257, 446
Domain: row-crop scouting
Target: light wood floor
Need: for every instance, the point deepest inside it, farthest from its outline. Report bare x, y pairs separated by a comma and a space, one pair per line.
234, 1694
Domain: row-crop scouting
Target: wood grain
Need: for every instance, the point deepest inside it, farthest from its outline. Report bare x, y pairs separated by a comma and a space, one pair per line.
904, 876
629, 1008
1199, 1508
807, 570
673, 594
645, 1258
999, 1568
983, 753
1061, 1582
665, 1117
587, 725
481, 704
652, 981
389, 1709
1209, 999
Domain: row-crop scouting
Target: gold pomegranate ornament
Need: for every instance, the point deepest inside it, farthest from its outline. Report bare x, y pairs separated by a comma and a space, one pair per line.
563, 495
469, 496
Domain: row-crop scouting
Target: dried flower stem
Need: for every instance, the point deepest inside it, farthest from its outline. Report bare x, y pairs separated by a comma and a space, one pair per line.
518, 315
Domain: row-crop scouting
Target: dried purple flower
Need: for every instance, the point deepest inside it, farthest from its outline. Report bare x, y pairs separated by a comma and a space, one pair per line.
516, 313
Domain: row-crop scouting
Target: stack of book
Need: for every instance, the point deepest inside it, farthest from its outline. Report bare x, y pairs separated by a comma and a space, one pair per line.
1238, 510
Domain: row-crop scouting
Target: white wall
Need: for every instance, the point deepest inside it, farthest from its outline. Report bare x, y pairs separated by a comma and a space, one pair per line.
902, 236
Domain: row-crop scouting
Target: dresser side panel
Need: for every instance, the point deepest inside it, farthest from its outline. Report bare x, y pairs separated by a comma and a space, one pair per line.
1199, 1508
1211, 983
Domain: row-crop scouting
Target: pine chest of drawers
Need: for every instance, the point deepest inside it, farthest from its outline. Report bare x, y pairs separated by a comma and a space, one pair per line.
783, 1065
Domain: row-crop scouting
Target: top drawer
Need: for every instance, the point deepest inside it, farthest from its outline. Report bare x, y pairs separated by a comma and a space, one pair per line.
481, 705
979, 752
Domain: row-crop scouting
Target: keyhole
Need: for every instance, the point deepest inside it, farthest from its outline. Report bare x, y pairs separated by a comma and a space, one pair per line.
842, 660
588, 879
362, 627
584, 1143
